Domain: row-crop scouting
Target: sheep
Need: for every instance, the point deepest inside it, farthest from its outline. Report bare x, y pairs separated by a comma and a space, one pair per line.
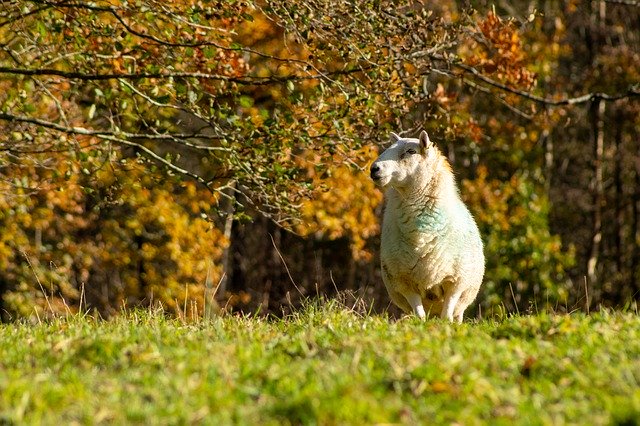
431, 253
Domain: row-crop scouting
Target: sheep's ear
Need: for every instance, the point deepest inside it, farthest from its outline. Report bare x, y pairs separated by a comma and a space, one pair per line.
425, 142
394, 138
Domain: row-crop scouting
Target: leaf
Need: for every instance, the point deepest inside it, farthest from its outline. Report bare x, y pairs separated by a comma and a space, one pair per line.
246, 101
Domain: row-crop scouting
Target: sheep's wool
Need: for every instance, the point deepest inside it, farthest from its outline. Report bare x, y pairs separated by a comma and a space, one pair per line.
431, 252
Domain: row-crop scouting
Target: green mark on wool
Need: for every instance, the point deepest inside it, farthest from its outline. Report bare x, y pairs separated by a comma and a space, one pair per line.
431, 220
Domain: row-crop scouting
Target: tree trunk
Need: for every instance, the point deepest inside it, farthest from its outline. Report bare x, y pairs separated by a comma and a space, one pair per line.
619, 227
597, 114
635, 232
228, 226
218, 290
548, 159
597, 111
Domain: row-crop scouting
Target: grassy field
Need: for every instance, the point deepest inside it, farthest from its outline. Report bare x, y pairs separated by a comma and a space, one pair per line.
324, 365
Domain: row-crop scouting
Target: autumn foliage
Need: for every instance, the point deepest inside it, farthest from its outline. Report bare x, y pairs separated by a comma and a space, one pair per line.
140, 140
501, 52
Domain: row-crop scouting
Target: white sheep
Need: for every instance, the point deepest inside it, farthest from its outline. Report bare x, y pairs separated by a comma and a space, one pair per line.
431, 252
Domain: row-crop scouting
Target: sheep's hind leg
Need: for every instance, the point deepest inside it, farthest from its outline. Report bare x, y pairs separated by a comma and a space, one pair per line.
451, 299
415, 301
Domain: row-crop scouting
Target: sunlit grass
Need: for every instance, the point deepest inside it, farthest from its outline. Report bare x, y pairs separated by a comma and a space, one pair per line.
325, 364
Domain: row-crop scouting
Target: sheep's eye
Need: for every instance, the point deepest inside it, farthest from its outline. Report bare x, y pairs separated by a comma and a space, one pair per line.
411, 151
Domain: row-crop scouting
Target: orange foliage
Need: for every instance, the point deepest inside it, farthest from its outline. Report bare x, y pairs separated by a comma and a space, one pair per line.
344, 203
120, 239
501, 54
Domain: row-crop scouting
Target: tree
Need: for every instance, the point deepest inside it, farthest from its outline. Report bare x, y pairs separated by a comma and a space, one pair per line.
593, 145
269, 109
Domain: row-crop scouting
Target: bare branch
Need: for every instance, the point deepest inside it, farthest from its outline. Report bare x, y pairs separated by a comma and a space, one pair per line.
128, 76
111, 137
165, 105
249, 80
119, 134
632, 91
624, 2
499, 97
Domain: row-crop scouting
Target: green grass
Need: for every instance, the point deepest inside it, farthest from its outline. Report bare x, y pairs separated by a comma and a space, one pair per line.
324, 365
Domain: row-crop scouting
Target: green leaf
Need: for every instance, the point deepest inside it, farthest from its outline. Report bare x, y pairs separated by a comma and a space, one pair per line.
42, 29
246, 101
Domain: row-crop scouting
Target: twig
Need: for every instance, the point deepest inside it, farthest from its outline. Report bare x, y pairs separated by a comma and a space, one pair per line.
44, 293
114, 11
586, 293
514, 299
186, 297
285, 265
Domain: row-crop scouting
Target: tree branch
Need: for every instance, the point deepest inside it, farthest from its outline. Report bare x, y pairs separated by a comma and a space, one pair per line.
624, 2
111, 137
12, 19
74, 75
177, 137
256, 81
114, 11
632, 91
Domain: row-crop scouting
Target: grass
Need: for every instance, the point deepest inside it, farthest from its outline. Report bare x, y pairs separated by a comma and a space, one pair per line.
323, 365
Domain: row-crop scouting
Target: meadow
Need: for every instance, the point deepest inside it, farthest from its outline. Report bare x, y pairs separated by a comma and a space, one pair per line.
325, 364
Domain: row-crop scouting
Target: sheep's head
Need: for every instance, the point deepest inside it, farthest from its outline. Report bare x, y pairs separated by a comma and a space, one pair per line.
405, 162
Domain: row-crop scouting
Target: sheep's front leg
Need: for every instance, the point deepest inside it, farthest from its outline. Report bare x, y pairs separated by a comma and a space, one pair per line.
415, 301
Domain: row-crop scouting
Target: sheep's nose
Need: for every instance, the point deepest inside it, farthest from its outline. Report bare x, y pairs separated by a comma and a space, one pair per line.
375, 169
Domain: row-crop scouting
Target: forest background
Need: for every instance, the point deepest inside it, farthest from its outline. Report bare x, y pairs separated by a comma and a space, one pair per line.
209, 155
